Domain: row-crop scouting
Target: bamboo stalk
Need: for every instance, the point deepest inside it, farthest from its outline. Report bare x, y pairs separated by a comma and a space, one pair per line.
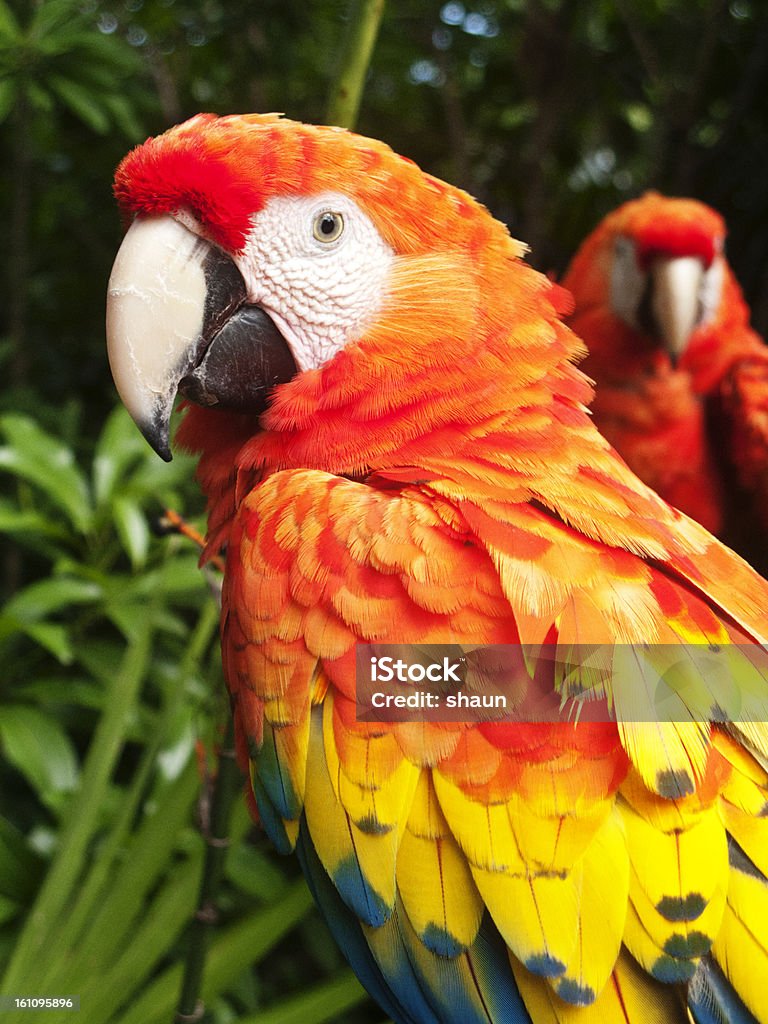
216, 833
232, 950
347, 89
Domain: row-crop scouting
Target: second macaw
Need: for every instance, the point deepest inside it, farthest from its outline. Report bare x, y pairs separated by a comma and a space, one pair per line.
395, 447
682, 379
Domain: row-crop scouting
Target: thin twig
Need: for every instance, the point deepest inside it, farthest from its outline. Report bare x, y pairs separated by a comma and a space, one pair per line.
172, 522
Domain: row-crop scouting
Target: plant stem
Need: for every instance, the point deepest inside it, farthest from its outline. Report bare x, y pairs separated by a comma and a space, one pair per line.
347, 90
232, 951
215, 831
19, 245
18, 265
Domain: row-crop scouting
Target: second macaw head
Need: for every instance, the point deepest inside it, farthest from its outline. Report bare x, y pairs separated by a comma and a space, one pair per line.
264, 254
657, 264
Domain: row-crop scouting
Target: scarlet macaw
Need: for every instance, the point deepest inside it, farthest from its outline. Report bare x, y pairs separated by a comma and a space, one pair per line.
682, 379
395, 448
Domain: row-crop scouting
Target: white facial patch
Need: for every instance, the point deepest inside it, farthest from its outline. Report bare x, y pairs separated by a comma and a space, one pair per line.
711, 290
319, 268
629, 282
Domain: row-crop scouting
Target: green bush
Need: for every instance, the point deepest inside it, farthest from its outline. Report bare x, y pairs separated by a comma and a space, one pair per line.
111, 709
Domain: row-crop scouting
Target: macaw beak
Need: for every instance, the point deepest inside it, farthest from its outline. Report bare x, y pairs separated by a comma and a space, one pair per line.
676, 300
177, 322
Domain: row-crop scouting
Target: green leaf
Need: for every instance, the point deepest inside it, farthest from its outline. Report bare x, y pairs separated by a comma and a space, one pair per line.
40, 749
179, 580
8, 94
128, 616
322, 1003
8, 909
163, 920
99, 657
131, 525
39, 98
47, 463
179, 746
21, 522
183, 578
10, 32
84, 812
80, 102
110, 53
254, 872
148, 866
41, 599
27, 611
231, 951
52, 637
119, 448
53, 15
124, 115
82, 693
165, 482
62, 44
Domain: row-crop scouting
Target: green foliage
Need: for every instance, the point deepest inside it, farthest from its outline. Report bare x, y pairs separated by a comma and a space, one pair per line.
111, 692
62, 83
550, 112
55, 57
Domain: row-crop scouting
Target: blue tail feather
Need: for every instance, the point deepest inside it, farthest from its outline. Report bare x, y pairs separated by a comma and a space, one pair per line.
713, 1000
411, 983
274, 778
400, 996
270, 819
476, 987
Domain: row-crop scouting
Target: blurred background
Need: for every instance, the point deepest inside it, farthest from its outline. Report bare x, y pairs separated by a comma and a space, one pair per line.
112, 706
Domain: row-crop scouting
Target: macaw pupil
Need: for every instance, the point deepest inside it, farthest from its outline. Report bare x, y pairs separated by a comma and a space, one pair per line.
329, 226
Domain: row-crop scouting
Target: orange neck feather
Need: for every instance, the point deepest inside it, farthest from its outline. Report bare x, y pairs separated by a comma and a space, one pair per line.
429, 378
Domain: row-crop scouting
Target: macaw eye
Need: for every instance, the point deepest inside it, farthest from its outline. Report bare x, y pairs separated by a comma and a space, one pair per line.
327, 226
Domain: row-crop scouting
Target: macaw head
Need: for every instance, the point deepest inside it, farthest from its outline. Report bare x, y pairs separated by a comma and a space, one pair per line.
664, 267
262, 254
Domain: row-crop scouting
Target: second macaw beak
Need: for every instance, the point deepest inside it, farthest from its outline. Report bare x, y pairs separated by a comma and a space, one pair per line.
676, 300
178, 322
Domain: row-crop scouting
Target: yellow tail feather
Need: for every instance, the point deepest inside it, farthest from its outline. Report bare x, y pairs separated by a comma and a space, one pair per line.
629, 997
738, 948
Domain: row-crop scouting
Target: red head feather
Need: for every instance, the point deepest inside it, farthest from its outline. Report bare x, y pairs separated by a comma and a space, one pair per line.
224, 169
661, 226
